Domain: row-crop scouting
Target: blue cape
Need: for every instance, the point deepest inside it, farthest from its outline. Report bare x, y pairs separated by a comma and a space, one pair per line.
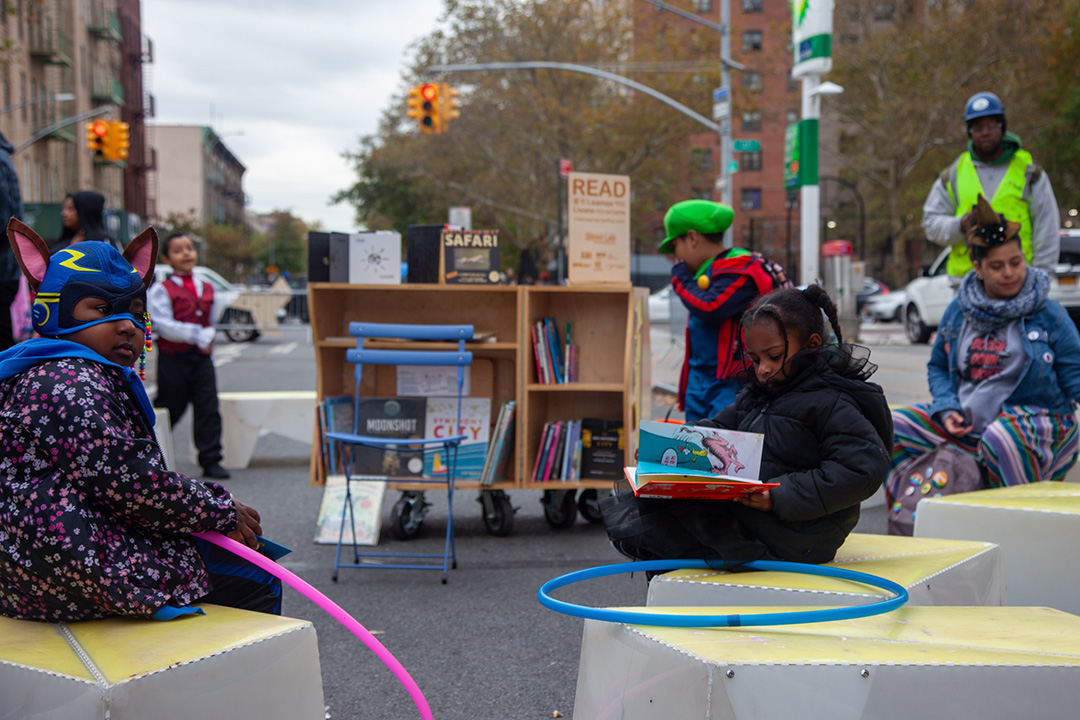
35, 351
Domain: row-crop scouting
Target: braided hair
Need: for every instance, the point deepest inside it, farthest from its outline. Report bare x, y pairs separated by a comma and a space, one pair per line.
797, 309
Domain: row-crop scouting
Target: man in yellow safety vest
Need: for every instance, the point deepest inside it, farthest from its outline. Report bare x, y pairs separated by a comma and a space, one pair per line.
996, 167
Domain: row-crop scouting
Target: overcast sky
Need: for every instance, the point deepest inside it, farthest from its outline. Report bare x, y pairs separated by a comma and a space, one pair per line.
288, 84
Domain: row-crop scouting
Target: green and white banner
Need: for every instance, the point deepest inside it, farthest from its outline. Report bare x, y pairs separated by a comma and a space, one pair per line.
811, 36
801, 154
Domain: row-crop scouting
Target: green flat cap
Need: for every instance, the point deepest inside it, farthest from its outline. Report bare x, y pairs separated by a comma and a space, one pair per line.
705, 216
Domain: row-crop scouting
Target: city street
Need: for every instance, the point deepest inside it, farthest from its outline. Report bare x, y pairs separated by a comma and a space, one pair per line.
480, 646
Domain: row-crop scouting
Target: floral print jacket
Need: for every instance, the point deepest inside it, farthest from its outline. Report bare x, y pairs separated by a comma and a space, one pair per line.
92, 524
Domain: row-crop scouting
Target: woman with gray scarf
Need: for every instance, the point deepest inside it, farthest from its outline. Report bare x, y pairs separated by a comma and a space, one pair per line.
1004, 372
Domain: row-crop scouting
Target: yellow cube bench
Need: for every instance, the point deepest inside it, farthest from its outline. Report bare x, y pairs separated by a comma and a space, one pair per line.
934, 572
1035, 525
917, 662
225, 664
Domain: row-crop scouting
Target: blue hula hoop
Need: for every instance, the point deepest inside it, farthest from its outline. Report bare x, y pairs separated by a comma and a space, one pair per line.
701, 620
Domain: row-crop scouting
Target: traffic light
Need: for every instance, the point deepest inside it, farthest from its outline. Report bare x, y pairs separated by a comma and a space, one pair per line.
429, 109
415, 105
119, 134
449, 105
96, 134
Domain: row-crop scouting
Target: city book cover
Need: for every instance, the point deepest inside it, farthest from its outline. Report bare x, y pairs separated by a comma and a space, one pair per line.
690, 461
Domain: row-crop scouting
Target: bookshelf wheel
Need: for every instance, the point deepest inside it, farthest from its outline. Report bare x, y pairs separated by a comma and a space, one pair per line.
498, 513
560, 510
588, 504
408, 515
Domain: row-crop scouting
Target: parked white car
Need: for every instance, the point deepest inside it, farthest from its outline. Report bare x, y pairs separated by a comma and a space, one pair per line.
225, 294
887, 307
929, 294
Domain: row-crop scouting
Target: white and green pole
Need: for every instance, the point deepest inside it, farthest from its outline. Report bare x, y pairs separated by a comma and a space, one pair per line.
811, 34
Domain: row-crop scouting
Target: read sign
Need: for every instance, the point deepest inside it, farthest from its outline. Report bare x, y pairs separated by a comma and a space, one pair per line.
598, 246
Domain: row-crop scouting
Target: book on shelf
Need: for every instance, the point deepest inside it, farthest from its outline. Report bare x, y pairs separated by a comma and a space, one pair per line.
440, 418
469, 257
500, 445
690, 461
570, 360
387, 417
556, 359
554, 351
602, 449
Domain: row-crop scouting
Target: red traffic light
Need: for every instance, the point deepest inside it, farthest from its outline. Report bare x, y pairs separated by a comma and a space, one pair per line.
100, 128
429, 92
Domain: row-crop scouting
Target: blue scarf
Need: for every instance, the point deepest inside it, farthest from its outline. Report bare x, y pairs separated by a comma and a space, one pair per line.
984, 314
35, 351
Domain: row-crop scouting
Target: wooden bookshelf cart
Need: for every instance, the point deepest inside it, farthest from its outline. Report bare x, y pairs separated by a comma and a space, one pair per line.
610, 328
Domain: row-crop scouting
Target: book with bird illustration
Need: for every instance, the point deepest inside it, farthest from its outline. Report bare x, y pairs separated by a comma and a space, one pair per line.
690, 461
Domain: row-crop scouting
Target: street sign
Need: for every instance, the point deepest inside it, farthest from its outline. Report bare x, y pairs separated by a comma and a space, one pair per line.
733, 167
747, 145
565, 167
721, 104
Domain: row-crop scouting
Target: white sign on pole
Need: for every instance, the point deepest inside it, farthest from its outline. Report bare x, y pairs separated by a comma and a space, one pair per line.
811, 37
598, 245
721, 104
460, 217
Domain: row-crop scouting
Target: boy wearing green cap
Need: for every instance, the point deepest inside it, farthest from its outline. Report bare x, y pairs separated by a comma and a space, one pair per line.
716, 286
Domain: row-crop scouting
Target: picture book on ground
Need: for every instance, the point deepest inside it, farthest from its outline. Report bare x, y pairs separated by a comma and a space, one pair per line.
367, 501
690, 461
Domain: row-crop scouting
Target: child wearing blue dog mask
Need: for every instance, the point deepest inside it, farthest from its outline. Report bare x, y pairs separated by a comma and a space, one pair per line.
92, 523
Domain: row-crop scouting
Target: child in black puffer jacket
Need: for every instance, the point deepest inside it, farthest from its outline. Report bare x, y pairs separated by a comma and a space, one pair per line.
828, 434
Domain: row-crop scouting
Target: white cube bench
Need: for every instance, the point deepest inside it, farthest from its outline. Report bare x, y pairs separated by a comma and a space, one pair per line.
991, 663
1036, 526
225, 664
934, 572
245, 416
163, 434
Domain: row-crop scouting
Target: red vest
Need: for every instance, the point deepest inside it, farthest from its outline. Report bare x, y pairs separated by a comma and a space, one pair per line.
188, 309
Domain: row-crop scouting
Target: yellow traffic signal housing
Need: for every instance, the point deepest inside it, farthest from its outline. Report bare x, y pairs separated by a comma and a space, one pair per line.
449, 105
96, 133
415, 105
119, 133
430, 118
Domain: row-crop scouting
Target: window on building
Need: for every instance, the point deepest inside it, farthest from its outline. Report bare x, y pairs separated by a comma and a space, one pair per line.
701, 159
751, 41
884, 11
849, 39
752, 81
702, 6
848, 143
750, 161
751, 199
702, 193
751, 6
751, 121
792, 116
792, 83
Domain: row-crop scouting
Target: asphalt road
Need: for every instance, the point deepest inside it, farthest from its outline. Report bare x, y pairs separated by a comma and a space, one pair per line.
481, 646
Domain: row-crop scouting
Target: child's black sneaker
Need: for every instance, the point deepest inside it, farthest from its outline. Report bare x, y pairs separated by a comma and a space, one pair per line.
216, 472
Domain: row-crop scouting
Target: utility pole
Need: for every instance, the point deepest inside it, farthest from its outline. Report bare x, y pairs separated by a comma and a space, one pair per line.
725, 124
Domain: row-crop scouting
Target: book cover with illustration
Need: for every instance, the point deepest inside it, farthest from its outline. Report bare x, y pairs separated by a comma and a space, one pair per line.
367, 501
602, 449
690, 461
391, 417
469, 257
440, 419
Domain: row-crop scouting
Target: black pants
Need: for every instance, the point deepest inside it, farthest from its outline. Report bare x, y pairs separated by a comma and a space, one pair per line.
190, 378
8, 291
238, 583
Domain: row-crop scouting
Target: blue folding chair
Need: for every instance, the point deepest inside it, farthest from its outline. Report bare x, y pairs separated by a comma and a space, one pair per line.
414, 502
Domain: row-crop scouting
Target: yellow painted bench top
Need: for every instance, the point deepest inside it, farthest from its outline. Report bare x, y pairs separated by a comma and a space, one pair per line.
904, 560
996, 636
1050, 497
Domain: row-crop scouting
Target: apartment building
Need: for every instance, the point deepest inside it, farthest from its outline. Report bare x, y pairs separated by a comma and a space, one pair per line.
195, 176
65, 63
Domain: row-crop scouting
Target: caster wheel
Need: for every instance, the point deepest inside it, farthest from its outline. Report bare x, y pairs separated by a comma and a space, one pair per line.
406, 518
588, 504
498, 514
560, 510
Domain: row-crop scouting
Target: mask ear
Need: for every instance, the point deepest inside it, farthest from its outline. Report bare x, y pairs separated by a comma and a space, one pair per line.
142, 253
30, 250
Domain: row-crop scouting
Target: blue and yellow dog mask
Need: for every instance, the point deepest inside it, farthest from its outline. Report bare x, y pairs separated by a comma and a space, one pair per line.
86, 269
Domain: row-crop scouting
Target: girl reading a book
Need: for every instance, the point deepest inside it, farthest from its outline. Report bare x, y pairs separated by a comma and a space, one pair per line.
827, 437
92, 523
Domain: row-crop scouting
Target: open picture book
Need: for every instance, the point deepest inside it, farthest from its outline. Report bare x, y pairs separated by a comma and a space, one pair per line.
689, 461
